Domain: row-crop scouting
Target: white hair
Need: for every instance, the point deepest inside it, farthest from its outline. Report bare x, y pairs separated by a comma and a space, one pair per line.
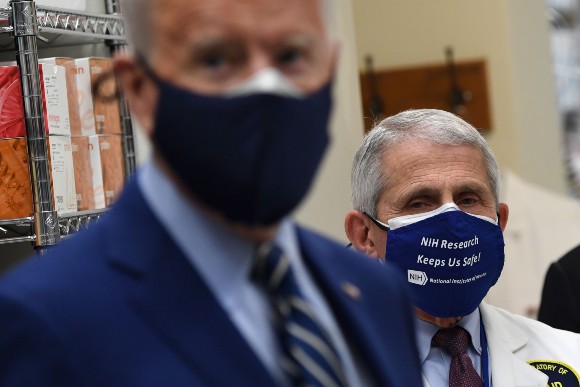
370, 177
139, 24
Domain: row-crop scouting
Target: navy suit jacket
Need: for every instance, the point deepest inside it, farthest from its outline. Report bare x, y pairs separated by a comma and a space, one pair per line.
120, 305
560, 304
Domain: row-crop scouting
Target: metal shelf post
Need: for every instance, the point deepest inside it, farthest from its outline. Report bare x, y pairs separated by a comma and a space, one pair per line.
25, 33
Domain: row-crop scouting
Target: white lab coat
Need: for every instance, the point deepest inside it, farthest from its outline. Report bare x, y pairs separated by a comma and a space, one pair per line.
514, 340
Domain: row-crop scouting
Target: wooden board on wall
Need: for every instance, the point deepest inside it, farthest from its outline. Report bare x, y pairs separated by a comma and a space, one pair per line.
430, 87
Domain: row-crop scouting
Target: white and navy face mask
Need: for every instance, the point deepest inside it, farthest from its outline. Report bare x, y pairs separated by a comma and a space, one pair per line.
450, 258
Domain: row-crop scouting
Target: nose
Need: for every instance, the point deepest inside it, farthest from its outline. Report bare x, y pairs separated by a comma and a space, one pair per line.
258, 59
447, 197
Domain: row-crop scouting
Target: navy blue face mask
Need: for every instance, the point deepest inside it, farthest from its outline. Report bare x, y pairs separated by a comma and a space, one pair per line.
450, 259
251, 158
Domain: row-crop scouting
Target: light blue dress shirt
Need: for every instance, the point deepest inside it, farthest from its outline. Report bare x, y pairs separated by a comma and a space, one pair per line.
435, 362
223, 259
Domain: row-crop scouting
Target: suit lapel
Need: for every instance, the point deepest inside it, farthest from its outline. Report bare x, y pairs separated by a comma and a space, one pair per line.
174, 301
507, 369
340, 288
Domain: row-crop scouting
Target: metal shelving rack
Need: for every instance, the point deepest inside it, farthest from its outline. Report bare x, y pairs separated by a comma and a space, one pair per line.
29, 24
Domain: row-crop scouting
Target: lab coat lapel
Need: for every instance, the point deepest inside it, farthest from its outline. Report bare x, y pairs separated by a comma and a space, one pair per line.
507, 369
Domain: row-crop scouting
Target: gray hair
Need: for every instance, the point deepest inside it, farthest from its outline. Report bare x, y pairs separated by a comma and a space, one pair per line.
139, 22
368, 179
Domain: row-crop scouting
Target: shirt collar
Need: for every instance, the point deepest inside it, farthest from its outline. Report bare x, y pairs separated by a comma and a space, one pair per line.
426, 331
206, 244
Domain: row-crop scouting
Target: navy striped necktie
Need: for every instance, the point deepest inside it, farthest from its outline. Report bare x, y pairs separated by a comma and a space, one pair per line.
309, 359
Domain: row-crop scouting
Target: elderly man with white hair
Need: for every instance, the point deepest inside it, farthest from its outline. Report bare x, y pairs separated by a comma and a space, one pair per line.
197, 277
425, 196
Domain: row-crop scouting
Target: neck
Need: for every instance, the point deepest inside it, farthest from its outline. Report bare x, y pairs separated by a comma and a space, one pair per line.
256, 234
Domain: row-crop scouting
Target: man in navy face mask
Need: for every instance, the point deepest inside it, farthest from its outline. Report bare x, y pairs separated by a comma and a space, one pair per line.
425, 193
197, 277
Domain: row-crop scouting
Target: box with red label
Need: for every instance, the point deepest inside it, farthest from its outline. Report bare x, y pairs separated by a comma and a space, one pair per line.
99, 114
54, 100
15, 192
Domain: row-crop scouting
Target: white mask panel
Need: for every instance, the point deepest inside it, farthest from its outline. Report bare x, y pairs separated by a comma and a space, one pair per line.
267, 80
406, 220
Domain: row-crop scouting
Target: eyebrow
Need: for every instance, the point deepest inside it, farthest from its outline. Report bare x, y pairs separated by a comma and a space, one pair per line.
419, 191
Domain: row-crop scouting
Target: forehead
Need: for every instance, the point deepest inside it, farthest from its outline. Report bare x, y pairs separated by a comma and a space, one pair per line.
423, 163
181, 20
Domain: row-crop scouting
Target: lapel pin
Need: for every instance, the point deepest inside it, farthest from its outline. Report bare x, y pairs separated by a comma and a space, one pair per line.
351, 290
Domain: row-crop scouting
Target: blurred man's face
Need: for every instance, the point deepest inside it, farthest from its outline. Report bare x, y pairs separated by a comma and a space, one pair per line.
210, 46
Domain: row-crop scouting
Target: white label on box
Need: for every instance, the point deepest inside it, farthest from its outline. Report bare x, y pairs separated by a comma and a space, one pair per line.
97, 171
55, 95
63, 178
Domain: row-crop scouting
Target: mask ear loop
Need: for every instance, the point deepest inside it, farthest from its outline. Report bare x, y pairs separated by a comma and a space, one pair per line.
148, 70
381, 225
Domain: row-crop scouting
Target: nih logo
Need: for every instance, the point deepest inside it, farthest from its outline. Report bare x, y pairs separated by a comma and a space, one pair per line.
417, 277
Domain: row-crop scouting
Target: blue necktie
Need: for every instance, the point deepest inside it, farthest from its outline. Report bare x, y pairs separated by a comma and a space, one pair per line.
309, 359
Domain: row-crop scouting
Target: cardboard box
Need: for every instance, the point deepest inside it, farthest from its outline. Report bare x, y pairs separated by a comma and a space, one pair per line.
15, 187
54, 99
112, 166
71, 91
62, 171
83, 174
96, 169
97, 115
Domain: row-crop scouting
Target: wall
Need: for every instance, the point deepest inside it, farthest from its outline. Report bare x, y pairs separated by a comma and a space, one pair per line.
512, 36
329, 199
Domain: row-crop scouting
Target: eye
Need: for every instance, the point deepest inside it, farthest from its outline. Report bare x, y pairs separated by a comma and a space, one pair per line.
219, 61
214, 61
417, 205
292, 60
288, 56
468, 201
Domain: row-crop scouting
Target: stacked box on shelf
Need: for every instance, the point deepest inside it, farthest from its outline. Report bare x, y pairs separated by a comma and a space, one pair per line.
15, 189
56, 117
59, 137
100, 123
85, 198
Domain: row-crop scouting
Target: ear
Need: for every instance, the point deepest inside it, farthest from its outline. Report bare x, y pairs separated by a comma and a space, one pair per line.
503, 215
357, 228
139, 90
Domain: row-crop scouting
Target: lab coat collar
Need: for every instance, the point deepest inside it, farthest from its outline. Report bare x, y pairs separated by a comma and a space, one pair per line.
505, 339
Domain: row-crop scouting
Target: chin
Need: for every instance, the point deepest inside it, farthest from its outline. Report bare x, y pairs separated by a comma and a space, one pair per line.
441, 322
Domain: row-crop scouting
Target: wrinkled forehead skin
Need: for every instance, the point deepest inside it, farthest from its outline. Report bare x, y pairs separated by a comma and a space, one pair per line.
178, 21
209, 46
